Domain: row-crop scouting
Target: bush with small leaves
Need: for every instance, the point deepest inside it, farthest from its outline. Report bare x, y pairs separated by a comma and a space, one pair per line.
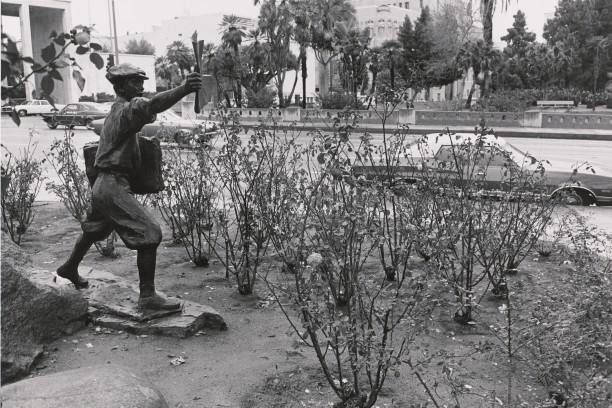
73, 187
25, 178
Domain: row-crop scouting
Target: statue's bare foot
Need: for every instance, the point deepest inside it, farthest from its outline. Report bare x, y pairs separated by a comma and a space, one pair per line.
72, 274
158, 302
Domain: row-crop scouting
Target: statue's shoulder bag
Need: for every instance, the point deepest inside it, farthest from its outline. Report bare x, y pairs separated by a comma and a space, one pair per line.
146, 180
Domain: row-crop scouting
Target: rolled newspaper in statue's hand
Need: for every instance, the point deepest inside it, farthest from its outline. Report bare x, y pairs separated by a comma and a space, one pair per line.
198, 49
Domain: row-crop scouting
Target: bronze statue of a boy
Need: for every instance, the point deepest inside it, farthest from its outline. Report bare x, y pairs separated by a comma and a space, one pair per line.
113, 205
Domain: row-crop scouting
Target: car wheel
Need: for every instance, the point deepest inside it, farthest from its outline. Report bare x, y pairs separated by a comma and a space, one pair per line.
571, 197
51, 124
23, 113
89, 124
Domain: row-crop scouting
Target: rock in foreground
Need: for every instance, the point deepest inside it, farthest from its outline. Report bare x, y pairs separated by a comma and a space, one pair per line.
103, 386
36, 310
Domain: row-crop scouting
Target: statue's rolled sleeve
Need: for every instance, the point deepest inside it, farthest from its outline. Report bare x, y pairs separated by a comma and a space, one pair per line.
137, 114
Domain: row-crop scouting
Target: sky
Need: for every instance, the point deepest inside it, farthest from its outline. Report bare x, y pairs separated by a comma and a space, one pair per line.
140, 15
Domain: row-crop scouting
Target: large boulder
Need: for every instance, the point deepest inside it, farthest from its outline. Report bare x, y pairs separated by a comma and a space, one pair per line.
35, 310
102, 386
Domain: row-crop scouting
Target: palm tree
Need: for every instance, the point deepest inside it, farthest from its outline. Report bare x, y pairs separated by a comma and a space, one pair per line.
210, 65
165, 70
326, 13
277, 25
391, 51
181, 55
302, 15
480, 58
469, 58
256, 73
353, 44
374, 68
231, 37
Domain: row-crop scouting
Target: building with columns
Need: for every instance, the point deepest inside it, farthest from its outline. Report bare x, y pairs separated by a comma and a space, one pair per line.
38, 18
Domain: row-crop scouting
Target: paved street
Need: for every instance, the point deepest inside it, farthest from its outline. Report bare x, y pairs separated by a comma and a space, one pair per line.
562, 153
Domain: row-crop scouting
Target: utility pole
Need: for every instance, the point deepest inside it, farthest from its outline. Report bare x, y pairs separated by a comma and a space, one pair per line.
115, 35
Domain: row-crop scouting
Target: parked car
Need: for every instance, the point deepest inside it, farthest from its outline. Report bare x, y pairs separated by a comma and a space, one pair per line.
75, 114
7, 109
36, 107
170, 127
440, 153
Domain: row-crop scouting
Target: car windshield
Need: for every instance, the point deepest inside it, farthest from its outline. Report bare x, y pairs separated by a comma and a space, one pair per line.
169, 115
433, 146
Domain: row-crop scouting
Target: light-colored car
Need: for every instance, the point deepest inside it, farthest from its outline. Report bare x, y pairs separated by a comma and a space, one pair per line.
444, 154
170, 127
37, 107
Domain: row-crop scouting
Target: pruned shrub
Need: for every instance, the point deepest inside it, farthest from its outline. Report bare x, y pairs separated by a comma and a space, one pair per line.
339, 100
25, 179
72, 187
189, 202
358, 324
265, 98
517, 100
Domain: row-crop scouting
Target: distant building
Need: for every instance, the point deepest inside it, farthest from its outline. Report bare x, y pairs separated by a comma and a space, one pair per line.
384, 18
384, 21
181, 28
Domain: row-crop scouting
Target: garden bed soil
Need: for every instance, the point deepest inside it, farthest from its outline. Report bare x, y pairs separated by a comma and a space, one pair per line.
258, 361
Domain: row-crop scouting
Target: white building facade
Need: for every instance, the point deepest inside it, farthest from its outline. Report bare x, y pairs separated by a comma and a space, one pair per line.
384, 19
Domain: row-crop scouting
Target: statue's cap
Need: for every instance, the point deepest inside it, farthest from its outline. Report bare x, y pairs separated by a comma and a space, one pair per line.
123, 71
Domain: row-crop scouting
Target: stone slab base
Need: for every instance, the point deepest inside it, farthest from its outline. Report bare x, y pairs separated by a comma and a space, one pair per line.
113, 303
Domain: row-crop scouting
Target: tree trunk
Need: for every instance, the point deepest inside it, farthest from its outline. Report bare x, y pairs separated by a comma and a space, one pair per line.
373, 89
486, 11
238, 94
304, 76
468, 102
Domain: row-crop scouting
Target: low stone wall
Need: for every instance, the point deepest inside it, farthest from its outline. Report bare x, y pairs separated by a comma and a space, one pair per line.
456, 118
530, 119
576, 121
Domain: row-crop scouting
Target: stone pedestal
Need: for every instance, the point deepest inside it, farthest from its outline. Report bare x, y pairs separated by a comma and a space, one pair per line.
113, 303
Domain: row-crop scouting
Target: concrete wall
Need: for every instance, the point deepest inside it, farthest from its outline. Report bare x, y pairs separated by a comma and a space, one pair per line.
577, 121
457, 118
426, 118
